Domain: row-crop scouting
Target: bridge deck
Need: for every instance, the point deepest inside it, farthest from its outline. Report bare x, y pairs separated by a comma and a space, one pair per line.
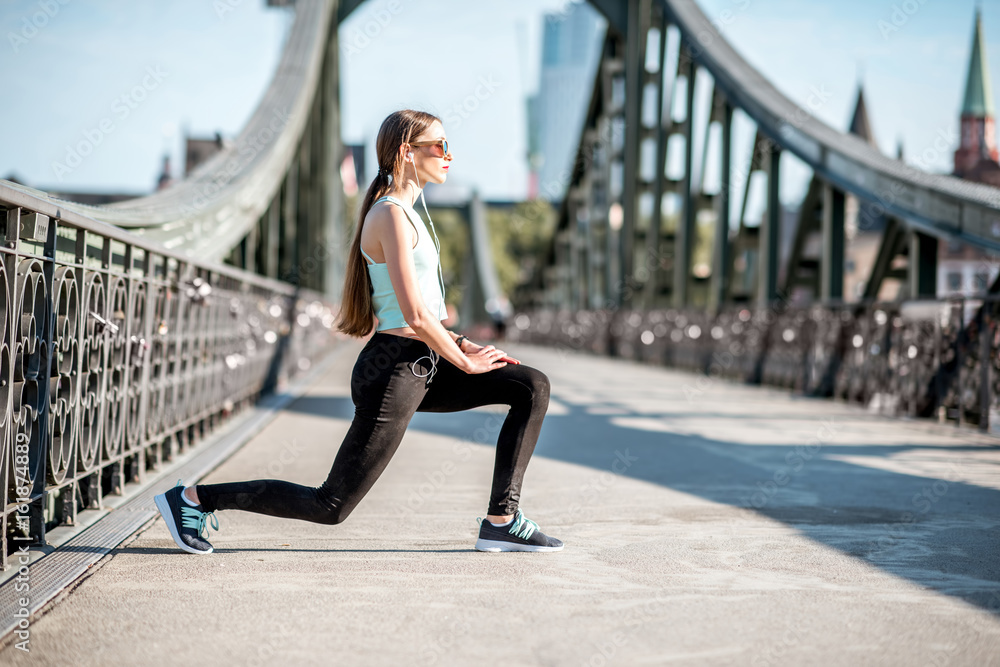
746, 526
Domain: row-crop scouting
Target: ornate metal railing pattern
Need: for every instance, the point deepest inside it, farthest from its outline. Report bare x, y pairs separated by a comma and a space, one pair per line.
116, 354
919, 359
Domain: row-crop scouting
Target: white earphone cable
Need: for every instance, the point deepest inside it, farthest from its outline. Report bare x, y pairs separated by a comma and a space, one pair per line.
434, 357
437, 243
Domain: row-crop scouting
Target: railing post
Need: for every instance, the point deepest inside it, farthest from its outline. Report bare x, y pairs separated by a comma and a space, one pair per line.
651, 288
149, 278
11, 222
335, 226
832, 258
985, 367
961, 345
684, 238
289, 232
272, 241
635, 48
723, 249
46, 334
770, 234
922, 266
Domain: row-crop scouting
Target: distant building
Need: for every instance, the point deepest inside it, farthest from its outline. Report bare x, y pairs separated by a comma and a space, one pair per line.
976, 157
963, 269
199, 151
571, 45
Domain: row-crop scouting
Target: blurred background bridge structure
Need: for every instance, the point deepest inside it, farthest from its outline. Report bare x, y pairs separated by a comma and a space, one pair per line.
767, 302
135, 328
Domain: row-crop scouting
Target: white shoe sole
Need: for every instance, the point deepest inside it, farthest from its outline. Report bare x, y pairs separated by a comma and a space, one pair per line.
496, 546
168, 518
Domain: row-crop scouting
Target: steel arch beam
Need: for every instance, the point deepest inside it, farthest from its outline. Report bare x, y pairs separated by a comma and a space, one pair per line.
939, 205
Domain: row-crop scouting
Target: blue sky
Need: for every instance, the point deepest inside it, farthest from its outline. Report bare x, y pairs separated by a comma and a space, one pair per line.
68, 79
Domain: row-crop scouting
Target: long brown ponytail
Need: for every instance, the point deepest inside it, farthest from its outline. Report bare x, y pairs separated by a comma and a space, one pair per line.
357, 315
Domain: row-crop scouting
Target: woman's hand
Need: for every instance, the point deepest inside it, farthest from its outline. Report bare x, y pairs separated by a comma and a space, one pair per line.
468, 347
484, 360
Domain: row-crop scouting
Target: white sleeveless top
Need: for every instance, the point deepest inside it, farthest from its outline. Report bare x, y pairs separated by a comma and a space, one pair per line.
426, 260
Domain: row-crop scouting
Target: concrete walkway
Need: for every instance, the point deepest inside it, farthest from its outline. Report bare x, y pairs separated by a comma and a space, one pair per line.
706, 523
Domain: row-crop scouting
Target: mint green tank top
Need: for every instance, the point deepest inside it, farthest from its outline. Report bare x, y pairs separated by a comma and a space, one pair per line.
426, 260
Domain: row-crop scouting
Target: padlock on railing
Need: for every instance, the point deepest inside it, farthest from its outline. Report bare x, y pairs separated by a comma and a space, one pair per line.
104, 325
198, 290
139, 349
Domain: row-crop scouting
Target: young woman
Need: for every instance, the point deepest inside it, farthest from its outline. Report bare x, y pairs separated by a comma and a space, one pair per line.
411, 363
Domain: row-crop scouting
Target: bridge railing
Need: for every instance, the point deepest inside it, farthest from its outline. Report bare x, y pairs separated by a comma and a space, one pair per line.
935, 359
117, 354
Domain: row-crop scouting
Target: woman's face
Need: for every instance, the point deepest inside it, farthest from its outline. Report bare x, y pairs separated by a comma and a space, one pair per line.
431, 162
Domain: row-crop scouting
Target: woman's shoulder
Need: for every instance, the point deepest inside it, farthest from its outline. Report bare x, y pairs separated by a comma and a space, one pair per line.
388, 218
386, 212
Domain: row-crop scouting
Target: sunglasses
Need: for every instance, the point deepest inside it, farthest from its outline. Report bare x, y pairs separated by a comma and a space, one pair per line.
443, 143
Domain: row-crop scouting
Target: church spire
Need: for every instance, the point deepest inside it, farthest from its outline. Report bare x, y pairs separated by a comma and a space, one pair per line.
978, 93
860, 125
977, 148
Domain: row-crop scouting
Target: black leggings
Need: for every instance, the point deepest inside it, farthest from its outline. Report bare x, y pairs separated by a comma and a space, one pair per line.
386, 393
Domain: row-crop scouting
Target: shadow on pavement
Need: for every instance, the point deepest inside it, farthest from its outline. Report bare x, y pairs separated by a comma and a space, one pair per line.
940, 533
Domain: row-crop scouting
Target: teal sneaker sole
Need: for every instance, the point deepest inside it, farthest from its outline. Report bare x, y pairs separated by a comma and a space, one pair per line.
497, 545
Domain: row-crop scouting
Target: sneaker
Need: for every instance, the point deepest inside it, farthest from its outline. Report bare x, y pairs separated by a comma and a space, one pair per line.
185, 523
521, 534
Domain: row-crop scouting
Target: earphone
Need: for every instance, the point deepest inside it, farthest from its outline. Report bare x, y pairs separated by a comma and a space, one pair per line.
409, 157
